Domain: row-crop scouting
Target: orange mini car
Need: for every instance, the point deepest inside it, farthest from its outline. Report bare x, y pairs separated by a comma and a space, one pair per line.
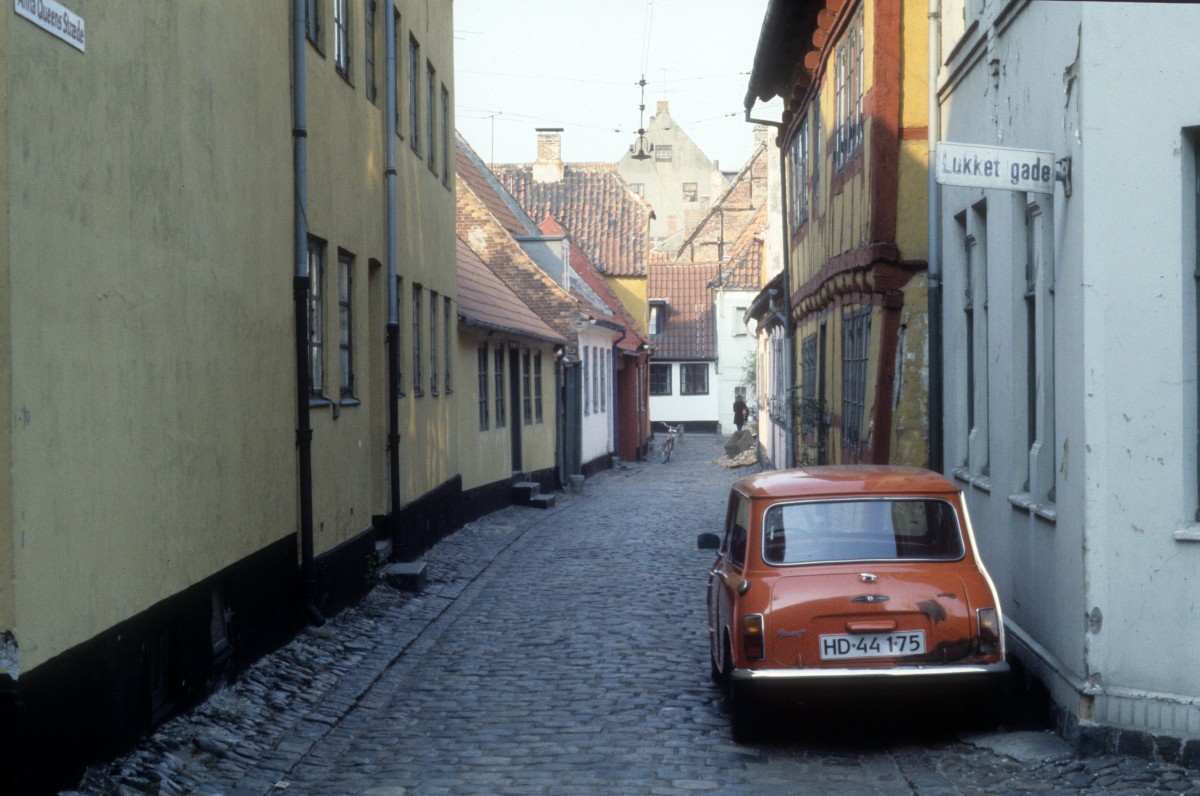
848, 575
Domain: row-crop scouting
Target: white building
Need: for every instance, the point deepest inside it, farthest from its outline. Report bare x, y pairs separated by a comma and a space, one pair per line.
1070, 349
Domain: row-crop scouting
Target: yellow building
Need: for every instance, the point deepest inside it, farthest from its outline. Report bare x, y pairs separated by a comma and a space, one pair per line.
198, 456
853, 137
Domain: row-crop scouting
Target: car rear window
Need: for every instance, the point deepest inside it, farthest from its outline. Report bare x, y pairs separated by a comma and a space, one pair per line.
861, 530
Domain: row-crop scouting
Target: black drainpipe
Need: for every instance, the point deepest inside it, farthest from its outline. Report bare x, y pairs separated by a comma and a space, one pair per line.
300, 287
393, 324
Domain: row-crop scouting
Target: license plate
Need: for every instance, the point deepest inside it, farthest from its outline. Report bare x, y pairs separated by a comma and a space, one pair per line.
872, 645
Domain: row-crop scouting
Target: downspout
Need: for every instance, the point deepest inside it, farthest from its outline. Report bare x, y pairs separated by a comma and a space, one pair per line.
936, 453
300, 290
393, 322
789, 344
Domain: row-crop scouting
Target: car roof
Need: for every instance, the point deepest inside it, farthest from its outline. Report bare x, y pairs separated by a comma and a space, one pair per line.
846, 481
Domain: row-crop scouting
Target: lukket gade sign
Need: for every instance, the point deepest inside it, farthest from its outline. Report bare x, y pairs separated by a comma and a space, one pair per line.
974, 166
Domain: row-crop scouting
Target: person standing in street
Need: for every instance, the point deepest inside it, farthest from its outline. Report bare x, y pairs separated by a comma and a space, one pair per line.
740, 411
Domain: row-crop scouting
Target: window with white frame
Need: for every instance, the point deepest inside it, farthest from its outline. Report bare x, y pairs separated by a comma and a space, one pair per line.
1040, 469
798, 175
346, 323
856, 344
527, 386
848, 130
372, 88
498, 381
397, 72
976, 340
312, 21
418, 389
447, 330
414, 95
433, 343
809, 411
481, 366
430, 116
446, 131
341, 38
587, 360
316, 318
662, 152
691, 192
596, 368
537, 386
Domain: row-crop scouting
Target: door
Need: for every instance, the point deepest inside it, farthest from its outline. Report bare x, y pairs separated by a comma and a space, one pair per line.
514, 403
723, 579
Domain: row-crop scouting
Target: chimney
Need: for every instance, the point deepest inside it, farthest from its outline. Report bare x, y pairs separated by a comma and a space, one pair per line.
760, 135
662, 106
549, 166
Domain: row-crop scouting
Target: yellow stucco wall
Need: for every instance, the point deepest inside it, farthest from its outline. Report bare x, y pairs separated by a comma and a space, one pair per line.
148, 362
485, 455
632, 292
347, 192
149, 260
426, 253
7, 615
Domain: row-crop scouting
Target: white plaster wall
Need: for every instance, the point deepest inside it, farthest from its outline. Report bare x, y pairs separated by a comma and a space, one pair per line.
1139, 248
1037, 564
1098, 82
598, 424
675, 408
734, 351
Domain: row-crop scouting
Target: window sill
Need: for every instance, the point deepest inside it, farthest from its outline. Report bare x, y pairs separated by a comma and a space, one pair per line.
318, 401
1189, 534
350, 400
1026, 502
981, 482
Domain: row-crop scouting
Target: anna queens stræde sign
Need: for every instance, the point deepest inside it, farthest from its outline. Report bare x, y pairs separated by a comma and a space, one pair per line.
976, 166
52, 17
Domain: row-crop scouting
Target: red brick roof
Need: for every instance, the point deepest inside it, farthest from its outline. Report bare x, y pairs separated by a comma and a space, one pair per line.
470, 169
603, 214
731, 212
484, 300
687, 323
744, 268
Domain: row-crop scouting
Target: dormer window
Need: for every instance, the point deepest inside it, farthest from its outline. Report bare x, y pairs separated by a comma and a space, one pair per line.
658, 317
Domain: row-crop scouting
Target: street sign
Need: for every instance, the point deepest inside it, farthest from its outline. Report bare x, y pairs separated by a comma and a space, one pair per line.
1006, 168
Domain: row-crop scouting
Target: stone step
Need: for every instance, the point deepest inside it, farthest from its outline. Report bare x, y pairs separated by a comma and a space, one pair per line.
540, 501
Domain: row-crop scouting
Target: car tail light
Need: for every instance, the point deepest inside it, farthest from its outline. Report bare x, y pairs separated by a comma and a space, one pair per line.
752, 637
989, 630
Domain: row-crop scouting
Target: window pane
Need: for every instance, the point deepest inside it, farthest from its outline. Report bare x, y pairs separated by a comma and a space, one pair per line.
861, 530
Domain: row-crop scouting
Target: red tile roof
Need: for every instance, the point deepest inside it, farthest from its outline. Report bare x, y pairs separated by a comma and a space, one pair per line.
743, 269
687, 324
631, 339
610, 222
484, 300
730, 213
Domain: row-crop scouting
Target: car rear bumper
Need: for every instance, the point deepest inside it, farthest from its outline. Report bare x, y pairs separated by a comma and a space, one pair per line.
941, 674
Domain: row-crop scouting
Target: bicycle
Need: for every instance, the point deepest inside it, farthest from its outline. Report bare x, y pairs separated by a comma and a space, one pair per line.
669, 445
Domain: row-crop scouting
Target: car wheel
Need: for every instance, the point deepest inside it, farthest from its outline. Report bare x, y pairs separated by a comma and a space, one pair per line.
743, 713
720, 676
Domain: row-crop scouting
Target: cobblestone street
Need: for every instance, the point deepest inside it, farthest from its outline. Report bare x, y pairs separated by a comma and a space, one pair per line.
564, 652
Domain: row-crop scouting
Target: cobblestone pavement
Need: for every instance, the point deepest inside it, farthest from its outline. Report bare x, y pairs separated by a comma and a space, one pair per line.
564, 652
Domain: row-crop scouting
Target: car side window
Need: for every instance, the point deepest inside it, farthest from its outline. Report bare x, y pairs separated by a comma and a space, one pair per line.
737, 523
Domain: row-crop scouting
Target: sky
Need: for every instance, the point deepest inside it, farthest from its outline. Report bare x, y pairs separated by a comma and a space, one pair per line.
576, 64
